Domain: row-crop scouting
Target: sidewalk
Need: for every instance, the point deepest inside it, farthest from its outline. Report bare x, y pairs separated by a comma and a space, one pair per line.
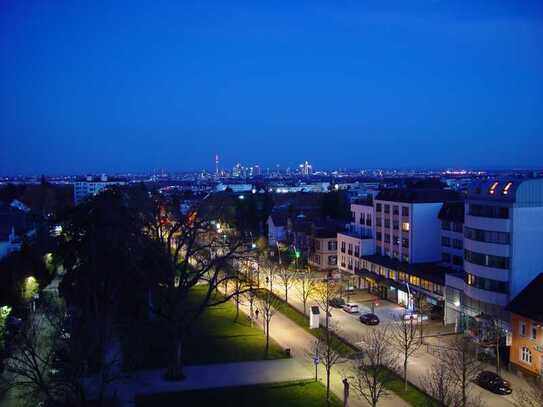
145, 382
289, 335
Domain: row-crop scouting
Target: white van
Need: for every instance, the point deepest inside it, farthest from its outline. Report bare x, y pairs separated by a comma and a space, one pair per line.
350, 308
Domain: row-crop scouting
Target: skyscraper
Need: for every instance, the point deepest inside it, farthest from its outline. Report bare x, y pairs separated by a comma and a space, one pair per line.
217, 164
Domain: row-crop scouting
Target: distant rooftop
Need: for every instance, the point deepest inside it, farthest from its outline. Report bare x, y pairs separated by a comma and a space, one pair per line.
412, 195
528, 192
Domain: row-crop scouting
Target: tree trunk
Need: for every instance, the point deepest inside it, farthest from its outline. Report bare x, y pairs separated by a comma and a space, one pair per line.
405, 373
175, 367
286, 294
327, 385
267, 335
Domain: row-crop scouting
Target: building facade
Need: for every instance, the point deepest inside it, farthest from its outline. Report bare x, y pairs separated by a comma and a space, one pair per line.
503, 237
91, 186
527, 329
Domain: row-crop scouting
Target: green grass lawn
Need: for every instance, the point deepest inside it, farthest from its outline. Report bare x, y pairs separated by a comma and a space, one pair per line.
414, 396
215, 338
291, 394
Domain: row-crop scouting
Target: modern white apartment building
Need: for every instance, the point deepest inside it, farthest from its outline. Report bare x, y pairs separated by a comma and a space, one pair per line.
90, 186
451, 216
407, 227
503, 246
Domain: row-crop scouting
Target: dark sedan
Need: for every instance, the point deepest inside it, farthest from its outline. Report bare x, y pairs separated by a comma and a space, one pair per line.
369, 319
337, 302
494, 383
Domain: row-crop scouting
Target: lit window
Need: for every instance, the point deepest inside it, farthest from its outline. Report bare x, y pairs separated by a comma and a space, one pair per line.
507, 187
492, 189
526, 355
405, 226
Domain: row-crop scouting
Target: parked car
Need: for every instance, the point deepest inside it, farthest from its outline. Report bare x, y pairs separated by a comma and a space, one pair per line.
369, 319
337, 302
350, 308
493, 382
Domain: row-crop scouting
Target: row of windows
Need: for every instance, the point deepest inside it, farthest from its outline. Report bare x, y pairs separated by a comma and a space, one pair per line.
456, 243
487, 260
332, 245
365, 219
395, 224
394, 253
332, 260
395, 209
523, 330
454, 226
456, 260
395, 239
487, 236
489, 211
487, 284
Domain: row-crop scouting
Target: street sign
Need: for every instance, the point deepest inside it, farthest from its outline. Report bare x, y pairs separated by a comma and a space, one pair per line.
316, 360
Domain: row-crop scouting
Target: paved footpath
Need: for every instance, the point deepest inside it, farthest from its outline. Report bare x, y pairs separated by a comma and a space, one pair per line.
145, 382
289, 335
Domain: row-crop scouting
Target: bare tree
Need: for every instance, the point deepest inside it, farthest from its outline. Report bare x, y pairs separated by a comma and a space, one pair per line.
267, 304
531, 396
439, 383
308, 284
373, 366
325, 349
461, 359
404, 339
423, 309
325, 290
287, 276
196, 248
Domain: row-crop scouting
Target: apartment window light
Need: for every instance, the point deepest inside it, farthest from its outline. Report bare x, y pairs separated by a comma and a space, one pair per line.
493, 187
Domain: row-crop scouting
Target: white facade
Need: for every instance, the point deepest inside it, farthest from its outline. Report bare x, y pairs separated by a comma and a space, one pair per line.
92, 186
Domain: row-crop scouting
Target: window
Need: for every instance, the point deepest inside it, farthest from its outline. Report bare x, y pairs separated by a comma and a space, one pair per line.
378, 236
395, 225
357, 251
387, 208
489, 211
533, 332
457, 244
395, 210
395, 240
405, 258
361, 219
350, 251
458, 261
414, 280
522, 330
446, 257
378, 207
487, 284
445, 241
526, 355
457, 227
332, 245
486, 260
343, 247
378, 221
402, 276
487, 236
405, 243
387, 238
332, 260
405, 226
387, 222
317, 259
405, 210
368, 219
446, 225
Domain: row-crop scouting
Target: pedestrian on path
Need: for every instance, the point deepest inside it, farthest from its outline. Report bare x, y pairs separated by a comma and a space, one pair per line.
256, 314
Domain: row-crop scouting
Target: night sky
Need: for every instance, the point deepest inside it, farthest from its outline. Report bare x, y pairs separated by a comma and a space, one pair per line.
115, 86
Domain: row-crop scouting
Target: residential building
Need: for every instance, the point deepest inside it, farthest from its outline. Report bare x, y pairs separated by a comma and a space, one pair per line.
359, 237
407, 226
323, 248
90, 186
15, 225
277, 228
526, 353
451, 216
503, 237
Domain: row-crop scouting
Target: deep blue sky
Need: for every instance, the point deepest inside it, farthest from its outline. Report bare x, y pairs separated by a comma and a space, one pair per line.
133, 86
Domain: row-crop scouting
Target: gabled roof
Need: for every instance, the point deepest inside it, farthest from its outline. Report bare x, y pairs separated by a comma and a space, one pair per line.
412, 195
279, 218
452, 211
528, 302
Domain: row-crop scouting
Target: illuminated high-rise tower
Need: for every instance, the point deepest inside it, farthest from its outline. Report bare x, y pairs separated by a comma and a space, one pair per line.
217, 164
